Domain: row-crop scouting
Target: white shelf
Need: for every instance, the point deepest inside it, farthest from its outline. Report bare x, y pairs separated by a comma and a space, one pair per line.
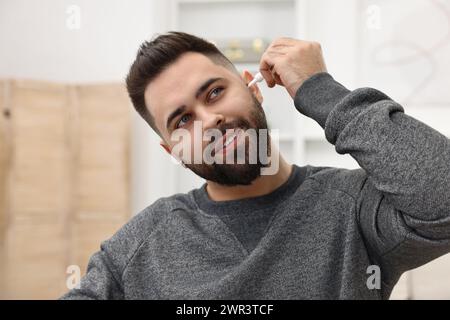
236, 19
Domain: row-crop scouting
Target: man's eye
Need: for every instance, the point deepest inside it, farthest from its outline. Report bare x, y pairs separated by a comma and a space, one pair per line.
183, 120
215, 92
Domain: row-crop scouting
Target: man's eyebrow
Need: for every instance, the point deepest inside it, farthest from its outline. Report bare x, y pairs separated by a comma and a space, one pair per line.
175, 114
205, 86
200, 90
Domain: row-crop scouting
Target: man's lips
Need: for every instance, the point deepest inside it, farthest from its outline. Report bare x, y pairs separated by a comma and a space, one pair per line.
228, 140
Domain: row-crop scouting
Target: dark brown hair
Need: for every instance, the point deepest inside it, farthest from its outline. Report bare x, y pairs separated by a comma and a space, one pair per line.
156, 55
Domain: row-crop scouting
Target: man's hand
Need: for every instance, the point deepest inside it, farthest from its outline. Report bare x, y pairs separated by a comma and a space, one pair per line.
289, 62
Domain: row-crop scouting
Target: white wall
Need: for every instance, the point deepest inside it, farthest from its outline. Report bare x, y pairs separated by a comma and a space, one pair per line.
36, 43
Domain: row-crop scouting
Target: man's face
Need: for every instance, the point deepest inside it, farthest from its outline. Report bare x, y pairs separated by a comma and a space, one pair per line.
194, 90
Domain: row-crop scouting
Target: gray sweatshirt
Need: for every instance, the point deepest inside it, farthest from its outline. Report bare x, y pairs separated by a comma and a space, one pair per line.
326, 233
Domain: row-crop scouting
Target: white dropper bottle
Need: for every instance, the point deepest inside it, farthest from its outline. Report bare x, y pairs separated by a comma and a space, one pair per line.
258, 78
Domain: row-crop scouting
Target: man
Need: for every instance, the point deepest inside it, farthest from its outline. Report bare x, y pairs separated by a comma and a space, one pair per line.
300, 233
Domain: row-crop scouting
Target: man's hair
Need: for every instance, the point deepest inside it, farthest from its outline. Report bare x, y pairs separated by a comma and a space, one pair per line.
156, 55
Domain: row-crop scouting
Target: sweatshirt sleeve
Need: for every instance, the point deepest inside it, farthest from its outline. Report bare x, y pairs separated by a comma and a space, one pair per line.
99, 282
104, 278
403, 203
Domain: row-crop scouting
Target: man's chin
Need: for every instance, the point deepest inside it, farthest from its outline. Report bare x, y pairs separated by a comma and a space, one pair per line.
228, 174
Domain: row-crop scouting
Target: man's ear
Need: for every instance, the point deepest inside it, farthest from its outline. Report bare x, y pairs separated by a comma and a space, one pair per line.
247, 76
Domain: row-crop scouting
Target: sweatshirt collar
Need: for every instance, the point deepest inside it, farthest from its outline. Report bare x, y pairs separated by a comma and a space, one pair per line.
262, 202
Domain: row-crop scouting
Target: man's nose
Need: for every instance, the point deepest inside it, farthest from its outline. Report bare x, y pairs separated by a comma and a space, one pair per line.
211, 120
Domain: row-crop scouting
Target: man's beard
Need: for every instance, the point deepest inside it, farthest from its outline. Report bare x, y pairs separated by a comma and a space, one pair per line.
232, 174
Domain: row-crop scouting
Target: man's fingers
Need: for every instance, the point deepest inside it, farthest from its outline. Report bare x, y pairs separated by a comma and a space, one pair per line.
271, 76
289, 62
267, 75
267, 68
277, 78
279, 48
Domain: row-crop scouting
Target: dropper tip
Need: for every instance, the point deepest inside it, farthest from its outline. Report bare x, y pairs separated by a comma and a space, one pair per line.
258, 78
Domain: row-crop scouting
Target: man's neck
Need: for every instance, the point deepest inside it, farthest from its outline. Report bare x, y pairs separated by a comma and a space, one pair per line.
262, 185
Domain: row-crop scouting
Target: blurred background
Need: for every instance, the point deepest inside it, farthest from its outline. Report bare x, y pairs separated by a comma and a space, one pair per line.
76, 161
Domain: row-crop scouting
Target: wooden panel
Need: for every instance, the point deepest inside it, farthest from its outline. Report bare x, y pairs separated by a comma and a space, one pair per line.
64, 181
102, 183
3, 179
35, 261
4, 153
40, 173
